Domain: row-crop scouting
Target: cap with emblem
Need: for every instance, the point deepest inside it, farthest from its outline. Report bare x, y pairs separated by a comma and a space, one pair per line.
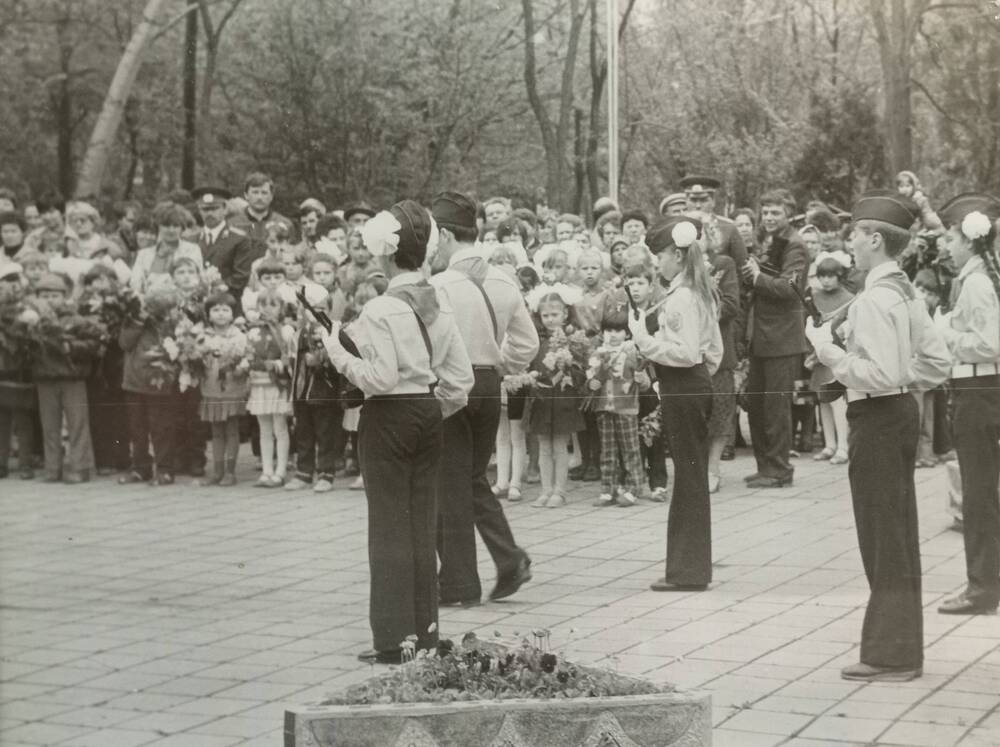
698, 184
886, 206
955, 210
359, 208
211, 196
664, 234
677, 198
454, 209
311, 205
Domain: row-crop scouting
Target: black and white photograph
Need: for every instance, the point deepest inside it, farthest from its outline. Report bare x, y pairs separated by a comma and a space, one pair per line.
500, 373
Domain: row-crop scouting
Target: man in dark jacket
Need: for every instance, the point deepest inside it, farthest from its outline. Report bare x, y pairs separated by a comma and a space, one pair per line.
720, 232
777, 339
224, 247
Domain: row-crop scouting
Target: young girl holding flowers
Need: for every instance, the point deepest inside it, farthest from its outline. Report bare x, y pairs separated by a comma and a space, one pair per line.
269, 402
224, 389
555, 414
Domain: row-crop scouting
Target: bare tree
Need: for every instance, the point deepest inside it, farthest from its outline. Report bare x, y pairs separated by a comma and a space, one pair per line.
106, 128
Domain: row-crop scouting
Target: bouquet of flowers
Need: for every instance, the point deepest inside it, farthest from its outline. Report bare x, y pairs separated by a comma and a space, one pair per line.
564, 365
180, 356
230, 353
269, 345
650, 427
113, 306
61, 330
514, 383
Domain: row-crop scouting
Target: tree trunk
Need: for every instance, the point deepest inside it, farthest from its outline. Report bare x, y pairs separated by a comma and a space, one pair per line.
102, 138
62, 107
895, 36
190, 95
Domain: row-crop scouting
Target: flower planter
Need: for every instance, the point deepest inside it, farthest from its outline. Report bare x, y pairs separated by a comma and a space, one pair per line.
662, 719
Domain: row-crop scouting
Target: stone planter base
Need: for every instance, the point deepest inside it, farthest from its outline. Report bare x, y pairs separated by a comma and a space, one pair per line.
676, 719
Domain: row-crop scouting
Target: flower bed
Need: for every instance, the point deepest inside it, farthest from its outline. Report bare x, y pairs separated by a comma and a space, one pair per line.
484, 693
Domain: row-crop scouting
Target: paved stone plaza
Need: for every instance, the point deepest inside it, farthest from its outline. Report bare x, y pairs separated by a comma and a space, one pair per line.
191, 616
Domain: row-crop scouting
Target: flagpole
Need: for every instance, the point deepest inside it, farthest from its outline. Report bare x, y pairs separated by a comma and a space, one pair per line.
612, 36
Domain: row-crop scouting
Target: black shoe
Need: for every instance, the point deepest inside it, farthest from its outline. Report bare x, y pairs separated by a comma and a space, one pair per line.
664, 585
592, 474
754, 476
867, 673
728, 454
762, 481
576, 473
371, 656
508, 586
962, 605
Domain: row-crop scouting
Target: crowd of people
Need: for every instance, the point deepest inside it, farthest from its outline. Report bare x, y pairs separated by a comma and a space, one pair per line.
405, 349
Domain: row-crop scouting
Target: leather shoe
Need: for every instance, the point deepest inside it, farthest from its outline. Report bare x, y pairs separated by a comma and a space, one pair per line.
963, 605
664, 585
508, 586
762, 481
371, 656
754, 476
867, 673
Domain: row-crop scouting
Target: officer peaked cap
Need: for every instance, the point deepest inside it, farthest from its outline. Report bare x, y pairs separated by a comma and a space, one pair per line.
211, 195
700, 183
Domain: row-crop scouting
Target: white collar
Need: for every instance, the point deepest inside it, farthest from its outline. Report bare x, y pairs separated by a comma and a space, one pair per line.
975, 264
883, 270
214, 233
406, 278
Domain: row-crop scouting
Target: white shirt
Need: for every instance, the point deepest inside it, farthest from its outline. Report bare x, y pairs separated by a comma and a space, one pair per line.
393, 354
516, 341
972, 328
890, 342
689, 331
211, 235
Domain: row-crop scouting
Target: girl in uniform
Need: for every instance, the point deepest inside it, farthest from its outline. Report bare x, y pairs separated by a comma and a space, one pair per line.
681, 337
972, 331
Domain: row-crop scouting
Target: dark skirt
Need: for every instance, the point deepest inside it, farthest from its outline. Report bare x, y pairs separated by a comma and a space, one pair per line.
556, 411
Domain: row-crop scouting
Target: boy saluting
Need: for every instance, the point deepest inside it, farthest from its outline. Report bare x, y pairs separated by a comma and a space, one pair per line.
889, 346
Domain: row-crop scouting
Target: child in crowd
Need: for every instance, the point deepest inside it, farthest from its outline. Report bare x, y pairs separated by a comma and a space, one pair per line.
60, 369
511, 442
323, 271
295, 261
331, 237
615, 377
17, 391
151, 405
618, 248
191, 436
555, 412
932, 405
278, 240
224, 389
639, 276
832, 300
513, 234
356, 269
504, 257
270, 347
35, 264
528, 280
102, 294
589, 314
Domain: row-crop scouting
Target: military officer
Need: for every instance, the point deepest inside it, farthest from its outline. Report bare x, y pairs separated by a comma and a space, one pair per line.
889, 345
223, 246
721, 236
972, 331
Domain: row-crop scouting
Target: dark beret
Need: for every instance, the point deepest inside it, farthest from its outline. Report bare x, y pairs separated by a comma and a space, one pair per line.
660, 236
359, 207
700, 183
886, 206
416, 225
454, 209
955, 210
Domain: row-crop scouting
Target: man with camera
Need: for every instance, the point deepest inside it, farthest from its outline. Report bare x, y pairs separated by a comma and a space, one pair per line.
777, 339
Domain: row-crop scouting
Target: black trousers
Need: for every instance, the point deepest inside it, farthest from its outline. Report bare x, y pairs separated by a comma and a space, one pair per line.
108, 423
152, 417
465, 501
192, 433
686, 398
769, 401
400, 443
882, 447
318, 439
976, 419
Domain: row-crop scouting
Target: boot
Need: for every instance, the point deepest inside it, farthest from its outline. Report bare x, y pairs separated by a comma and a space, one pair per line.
229, 478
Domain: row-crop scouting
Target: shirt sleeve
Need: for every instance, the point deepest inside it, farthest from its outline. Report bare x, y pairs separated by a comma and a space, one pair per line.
977, 316
454, 375
873, 363
677, 342
377, 370
520, 343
